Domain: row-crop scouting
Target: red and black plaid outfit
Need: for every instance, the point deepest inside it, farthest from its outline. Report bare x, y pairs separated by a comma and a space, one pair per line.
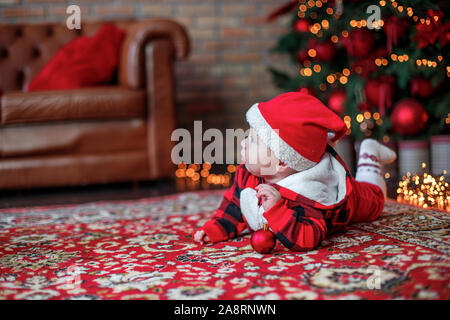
299, 223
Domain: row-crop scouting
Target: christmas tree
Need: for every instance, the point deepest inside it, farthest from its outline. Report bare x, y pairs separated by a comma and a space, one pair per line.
383, 66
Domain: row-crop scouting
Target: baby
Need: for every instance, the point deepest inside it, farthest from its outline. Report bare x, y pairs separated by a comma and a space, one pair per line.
292, 180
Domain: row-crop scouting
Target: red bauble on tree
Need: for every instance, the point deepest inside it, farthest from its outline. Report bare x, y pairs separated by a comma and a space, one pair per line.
358, 43
263, 241
336, 101
421, 87
302, 56
408, 117
379, 92
364, 106
394, 28
301, 25
323, 51
366, 66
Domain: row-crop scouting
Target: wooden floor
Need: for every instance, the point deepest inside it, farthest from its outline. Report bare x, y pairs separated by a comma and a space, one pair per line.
83, 194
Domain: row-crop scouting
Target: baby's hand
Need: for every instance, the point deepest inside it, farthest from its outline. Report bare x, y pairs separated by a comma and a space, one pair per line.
201, 237
268, 195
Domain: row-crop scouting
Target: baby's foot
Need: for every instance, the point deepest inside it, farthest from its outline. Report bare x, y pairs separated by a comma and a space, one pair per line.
383, 154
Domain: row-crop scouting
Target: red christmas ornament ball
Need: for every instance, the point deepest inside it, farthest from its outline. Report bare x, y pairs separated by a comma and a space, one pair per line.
421, 87
359, 43
408, 117
379, 91
364, 106
263, 241
301, 25
371, 90
325, 51
336, 101
395, 27
302, 56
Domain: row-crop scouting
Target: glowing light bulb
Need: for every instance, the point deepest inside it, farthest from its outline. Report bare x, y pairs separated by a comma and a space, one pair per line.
312, 53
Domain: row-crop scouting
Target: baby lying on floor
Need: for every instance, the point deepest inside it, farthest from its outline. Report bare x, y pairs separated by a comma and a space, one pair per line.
292, 180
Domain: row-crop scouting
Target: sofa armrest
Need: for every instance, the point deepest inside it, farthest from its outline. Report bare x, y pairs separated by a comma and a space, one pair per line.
132, 66
160, 87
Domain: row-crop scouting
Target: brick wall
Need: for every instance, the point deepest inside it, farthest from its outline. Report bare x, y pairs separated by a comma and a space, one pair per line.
227, 69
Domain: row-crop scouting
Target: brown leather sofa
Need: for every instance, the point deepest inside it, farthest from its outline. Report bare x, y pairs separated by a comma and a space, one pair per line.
109, 133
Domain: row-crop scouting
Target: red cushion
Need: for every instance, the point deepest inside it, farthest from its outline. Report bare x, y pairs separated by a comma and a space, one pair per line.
85, 61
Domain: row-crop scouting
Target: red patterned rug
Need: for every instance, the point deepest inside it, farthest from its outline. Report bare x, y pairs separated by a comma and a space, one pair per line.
143, 250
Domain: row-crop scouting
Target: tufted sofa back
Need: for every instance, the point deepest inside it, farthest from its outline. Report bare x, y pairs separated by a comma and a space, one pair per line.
25, 49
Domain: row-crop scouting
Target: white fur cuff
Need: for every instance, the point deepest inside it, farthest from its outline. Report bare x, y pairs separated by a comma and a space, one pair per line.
252, 212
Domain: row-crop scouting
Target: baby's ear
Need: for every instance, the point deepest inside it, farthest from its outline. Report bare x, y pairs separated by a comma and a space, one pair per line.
282, 166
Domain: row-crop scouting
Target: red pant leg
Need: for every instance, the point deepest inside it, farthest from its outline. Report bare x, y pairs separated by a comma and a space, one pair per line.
367, 200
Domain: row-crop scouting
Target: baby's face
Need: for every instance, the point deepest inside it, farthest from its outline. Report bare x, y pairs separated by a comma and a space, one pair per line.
258, 159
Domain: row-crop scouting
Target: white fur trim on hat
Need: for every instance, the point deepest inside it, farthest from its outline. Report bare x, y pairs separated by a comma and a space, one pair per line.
273, 141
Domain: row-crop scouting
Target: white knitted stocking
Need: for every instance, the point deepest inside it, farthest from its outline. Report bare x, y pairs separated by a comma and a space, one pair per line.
372, 155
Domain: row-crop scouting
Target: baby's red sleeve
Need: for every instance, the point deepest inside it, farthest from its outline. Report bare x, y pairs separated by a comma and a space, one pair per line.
298, 228
228, 221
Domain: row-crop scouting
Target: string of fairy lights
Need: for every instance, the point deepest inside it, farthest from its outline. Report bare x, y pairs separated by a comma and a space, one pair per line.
365, 120
194, 175
424, 190
316, 29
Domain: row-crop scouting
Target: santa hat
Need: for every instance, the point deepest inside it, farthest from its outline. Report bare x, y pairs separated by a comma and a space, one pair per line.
295, 126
